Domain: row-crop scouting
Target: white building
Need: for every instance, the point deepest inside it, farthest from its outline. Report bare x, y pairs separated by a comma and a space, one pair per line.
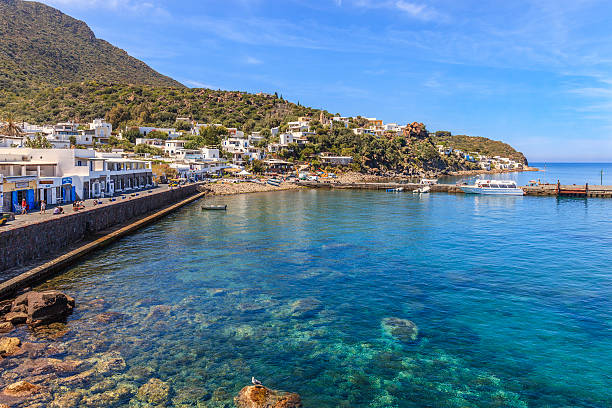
210, 154
159, 143
341, 119
64, 175
172, 146
102, 130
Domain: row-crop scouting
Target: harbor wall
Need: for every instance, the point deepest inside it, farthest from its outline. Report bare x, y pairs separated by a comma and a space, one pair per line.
22, 245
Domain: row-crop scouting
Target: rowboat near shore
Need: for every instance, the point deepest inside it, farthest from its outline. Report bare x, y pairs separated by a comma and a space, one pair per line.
211, 207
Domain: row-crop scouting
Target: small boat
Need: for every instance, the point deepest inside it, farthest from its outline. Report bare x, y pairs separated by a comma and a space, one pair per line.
428, 182
395, 190
214, 207
424, 189
274, 182
493, 187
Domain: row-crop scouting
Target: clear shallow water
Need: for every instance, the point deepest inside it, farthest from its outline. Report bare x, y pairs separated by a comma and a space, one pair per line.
512, 298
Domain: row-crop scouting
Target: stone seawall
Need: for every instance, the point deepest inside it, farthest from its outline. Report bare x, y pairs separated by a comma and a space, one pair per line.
20, 246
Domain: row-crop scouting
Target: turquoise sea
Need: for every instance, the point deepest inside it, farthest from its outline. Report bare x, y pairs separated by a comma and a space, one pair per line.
512, 297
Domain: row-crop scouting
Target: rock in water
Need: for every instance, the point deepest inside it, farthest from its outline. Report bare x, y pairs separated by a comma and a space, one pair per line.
44, 307
21, 389
16, 317
154, 392
307, 307
9, 346
402, 329
258, 396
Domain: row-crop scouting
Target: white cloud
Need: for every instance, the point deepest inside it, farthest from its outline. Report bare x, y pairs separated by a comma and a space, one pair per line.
418, 11
131, 6
253, 61
198, 84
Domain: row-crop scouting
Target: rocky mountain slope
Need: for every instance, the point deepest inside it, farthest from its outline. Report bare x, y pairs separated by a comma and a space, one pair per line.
40, 45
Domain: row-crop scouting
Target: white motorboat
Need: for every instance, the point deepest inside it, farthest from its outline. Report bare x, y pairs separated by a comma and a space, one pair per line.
424, 189
493, 187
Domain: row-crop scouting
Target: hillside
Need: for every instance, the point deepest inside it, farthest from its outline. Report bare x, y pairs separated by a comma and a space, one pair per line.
40, 45
147, 105
481, 145
53, 68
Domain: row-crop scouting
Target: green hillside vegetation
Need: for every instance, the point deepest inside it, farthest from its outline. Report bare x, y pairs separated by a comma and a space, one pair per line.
479, 144
53, 68
134, 105
40, 45
409, 154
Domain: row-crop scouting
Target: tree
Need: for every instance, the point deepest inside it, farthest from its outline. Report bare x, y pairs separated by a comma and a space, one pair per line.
257, 166
443, 133
117, 115
131, 135
163, 172
38, 142
10, 128
182, 125
157, 134
144, 148
249, 125
73, 140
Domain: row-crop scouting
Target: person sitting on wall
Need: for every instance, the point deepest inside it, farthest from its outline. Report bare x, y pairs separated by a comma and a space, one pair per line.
58, 210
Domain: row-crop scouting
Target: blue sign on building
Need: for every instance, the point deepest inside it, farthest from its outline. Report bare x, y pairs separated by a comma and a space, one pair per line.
67, 180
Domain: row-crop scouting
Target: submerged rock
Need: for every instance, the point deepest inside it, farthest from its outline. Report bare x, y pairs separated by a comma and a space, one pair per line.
154, 392
21, 389
111, 397
42, 307
402, 329
110, 362
9, 346
52, 331
70, 399
258, 396
306, 307
108, 317
6, 327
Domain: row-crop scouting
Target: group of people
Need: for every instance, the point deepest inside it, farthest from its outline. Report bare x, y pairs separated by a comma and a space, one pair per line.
25, 207
78, 205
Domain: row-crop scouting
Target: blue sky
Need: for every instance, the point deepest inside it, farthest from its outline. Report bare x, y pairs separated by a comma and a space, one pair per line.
534, 73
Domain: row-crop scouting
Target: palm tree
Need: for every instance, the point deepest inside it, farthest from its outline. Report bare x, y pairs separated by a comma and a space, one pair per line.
10, 128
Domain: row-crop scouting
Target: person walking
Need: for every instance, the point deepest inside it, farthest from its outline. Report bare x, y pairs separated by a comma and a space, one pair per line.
43, 206
24, 208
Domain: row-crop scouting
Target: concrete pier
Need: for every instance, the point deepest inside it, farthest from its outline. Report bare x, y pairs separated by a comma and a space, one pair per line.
22, 243
593, 191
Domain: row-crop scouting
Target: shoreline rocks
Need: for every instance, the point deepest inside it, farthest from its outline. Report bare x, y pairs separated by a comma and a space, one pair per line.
9, 346
258, 396
35, 309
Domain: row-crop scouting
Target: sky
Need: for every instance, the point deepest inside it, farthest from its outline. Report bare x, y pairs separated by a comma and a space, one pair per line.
536, 74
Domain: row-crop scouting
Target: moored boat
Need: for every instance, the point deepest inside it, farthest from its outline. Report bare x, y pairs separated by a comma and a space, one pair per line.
493, 187
274, 182
424, 189
214, 207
